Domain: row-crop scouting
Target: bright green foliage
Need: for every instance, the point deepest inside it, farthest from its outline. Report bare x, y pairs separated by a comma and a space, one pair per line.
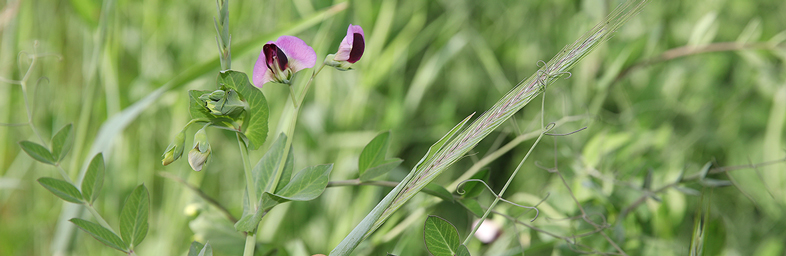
473, 206
473, 189
101, 234
37, 152
440, 191
428, 64
133, 217
61, 142
307, 184
264, 171
62, 189
195, 249
442, 238
255, 123
374, 152
198, 249
94, 179
236, 105
372, 162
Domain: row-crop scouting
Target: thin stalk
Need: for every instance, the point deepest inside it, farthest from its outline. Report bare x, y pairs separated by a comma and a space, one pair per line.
252, 193
251, 243
64, 174
98, 217
23, 84
292, 97
544, 130
291, 129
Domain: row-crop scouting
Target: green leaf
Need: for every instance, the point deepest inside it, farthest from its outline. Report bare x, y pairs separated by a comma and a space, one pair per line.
195, 249
94, 179
62, 189
380, 169
61, 142
681, 175
101, 234
439, 191
207, 250
473, 189
133, 217
195, 107
251, 218
462, 251
647, 185
307, 184
688, 191
441, 142
442, 238
473, 206
704, 170
37, 152
374, 152
255, 126
707, 182
265, 171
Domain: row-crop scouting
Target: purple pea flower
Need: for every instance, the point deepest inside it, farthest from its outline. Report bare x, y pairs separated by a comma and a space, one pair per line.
350, 50
279, 60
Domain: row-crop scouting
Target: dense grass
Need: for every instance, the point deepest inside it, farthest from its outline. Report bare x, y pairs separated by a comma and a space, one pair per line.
428, 64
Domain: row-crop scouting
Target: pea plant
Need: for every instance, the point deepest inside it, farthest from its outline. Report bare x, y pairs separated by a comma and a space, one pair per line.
235, 103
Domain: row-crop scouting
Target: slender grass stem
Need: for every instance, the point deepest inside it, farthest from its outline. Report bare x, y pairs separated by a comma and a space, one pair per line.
498, 198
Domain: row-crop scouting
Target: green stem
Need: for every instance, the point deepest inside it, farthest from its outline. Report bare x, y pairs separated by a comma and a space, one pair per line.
510, 180
251, 243
291, 129
308, 84
65, 175
497, 199
252, 195
99, 218
292, 96
23, 84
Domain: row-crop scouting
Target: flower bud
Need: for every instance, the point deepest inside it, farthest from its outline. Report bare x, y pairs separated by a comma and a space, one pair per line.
223, 103
175, 149
198, 156
349, 51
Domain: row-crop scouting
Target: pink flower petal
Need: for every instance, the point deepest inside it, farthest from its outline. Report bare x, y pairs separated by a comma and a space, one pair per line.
261, 74
298, 53
353, 45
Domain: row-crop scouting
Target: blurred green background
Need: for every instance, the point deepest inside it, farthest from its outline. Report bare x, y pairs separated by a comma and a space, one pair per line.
427, 65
